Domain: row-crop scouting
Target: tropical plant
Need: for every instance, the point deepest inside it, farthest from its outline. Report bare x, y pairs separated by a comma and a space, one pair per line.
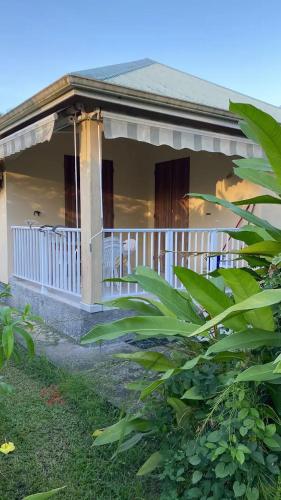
212, 401
12, 324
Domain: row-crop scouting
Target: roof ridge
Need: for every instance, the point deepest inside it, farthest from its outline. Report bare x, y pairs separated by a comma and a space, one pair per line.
114, 70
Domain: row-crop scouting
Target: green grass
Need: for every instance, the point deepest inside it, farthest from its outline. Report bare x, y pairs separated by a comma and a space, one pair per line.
54, 446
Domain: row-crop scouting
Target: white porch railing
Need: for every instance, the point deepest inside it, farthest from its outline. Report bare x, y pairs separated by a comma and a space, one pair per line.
161, 249
50, 258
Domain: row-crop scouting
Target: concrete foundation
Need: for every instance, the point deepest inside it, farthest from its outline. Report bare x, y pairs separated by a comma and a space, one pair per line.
65, 317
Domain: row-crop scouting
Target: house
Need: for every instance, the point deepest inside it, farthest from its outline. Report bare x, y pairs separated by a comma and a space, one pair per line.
93, 172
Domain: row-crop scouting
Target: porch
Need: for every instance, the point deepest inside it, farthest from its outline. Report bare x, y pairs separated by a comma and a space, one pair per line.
101, 198
50, 258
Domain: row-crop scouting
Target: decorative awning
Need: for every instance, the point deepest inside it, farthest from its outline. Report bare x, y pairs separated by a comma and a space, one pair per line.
38, 132
159, 133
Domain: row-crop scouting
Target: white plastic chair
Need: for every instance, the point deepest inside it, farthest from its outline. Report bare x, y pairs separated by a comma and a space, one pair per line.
111, 257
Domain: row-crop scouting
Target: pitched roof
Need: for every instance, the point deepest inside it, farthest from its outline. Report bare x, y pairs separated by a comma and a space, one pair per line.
151, 76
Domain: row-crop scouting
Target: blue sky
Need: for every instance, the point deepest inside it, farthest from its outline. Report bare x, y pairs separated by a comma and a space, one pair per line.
236, 43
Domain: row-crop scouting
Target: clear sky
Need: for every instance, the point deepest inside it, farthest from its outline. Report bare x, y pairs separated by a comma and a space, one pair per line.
236, 43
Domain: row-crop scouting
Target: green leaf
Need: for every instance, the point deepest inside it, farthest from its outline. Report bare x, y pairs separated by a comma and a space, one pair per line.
273, 443
129, 443
254, 163
6, 388
206, 294
181, 409
266, 129
240, 457
151, 464
194, 460
221, 470
145, 325
253, 219
253, 338
28, 339
45, 495
151, 388
138, 304
252, 493
263, 199
149, 360
243, 285
120, 430
8, 340
262, 248
239, 489
257, 301
196, 476
192, 393
152, 283
214, 437
250, 234
258, 373
264, 179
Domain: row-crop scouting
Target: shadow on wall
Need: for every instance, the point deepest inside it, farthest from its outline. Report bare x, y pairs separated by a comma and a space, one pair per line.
133, 212
230, 189
26, 194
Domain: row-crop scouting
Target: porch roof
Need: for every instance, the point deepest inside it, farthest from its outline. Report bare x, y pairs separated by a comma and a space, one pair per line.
140, 88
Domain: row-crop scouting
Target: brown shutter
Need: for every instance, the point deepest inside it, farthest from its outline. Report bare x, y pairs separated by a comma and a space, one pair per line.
171, 184
70, 196
107, 192
69, 189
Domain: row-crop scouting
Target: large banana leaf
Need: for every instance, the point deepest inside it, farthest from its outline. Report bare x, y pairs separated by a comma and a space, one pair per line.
244, 285
253, 338
257, 301
121, 429
258, 373
207, 295
151, 464
151, 282
267, 131
140, 304
244, 214
250, 234
262, 248
149, 326
255, 163
150, 360
256, 200
264, 179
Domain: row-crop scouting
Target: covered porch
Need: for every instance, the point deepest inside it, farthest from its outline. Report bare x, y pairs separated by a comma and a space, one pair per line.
106, 195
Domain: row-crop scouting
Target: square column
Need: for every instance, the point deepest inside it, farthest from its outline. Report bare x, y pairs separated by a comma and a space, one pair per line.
91, 213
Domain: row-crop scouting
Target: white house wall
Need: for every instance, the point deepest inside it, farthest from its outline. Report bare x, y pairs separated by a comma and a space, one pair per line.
35, 182
210, 173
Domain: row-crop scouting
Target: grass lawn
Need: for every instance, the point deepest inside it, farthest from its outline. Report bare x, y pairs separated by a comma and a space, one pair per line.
50, 418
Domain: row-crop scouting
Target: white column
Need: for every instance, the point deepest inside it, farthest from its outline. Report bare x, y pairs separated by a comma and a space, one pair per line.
91, 212
5, 262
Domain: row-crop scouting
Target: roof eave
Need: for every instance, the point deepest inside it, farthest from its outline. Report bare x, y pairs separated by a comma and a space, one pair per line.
70, 85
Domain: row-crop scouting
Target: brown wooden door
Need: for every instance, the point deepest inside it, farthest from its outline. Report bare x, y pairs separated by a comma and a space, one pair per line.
70, 197
171, 184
